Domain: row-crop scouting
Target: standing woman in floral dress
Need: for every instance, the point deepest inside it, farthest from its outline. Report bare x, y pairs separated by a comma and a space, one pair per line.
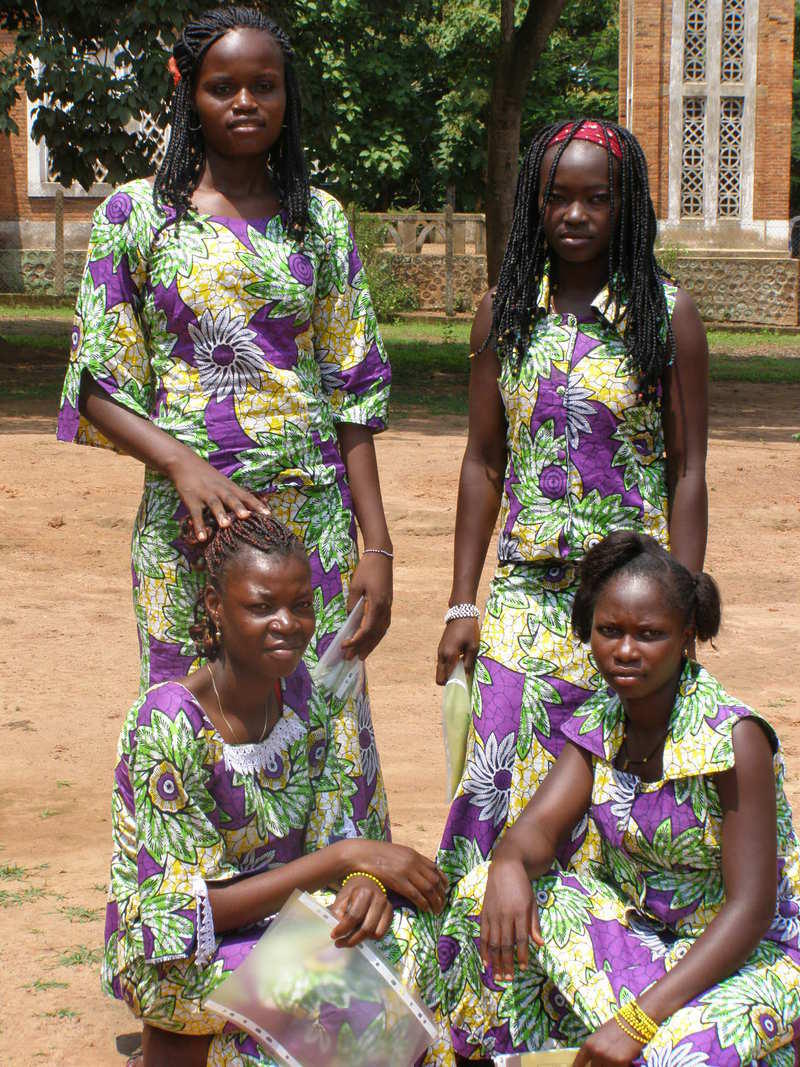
588, 413
224, 336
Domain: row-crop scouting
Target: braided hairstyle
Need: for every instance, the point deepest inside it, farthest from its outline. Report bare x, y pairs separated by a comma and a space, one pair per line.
634, 276
696, 596
215, 555
182, 166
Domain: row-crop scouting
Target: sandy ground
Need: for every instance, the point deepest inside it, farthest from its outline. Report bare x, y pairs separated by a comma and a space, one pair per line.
68, 668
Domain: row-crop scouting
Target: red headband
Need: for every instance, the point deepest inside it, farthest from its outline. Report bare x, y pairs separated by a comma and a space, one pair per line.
589, 131
172, 67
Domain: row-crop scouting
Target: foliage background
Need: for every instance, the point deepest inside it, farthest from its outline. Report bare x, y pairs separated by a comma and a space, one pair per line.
395, 93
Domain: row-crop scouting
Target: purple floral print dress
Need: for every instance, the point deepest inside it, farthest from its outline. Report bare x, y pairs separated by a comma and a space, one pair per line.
250, 347
621, 921
586, 456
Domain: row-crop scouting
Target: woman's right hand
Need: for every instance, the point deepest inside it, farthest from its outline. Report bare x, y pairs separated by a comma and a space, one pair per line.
401, 869
201, 486
459, 640
508, 919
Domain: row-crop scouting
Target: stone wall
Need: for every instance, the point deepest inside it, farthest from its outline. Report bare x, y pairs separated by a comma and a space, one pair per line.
763, 290
31, 270
426, 273
759, 290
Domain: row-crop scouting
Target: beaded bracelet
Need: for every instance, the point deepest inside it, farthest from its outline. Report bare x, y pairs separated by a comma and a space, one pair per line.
380, 552
462, 611
635, 1022
365, 874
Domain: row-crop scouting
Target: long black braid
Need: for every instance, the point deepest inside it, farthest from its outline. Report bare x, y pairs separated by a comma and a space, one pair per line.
180, 171
634, 276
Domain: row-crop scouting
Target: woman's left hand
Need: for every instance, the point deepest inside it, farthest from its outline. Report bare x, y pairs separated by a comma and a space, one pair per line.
371, 579
363, 912
609, 1046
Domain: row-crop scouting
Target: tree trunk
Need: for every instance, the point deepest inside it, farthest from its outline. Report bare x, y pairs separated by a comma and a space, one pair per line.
505, 115
518, 53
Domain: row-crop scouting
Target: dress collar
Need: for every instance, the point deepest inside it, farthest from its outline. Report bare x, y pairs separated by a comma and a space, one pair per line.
611, 310
699, 737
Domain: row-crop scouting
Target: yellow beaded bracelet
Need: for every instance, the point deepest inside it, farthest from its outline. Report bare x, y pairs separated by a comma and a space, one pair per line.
644, 1028
364, 874
627, 1029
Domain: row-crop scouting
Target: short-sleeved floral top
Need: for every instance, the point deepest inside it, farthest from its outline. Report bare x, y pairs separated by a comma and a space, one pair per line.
240, 340
586, 454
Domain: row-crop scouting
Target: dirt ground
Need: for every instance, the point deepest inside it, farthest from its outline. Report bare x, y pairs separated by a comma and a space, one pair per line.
68, 664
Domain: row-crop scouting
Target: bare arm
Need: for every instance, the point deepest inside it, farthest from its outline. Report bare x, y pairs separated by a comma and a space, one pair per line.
509, 916
400, 868
373, 575
749, 871
685, 417
480, 492
197, 482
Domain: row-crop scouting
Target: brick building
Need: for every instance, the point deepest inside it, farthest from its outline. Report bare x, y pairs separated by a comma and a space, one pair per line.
706, 86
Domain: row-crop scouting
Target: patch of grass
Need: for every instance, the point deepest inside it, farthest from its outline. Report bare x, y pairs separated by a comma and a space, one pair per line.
81, 915
454, 331
23, 312
22, 896
81, 956
41, 985
100, 887
64, 785
719, 340
48, 813
60, 1013
13, 870
433, 376
783, 370
32, 340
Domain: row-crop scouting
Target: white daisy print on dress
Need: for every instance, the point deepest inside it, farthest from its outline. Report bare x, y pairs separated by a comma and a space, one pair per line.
225, 355
366, 739
681, 1056
622, 794
578, 411
488, 780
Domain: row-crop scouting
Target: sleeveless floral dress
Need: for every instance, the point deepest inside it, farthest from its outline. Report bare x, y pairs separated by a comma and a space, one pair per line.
618, 923
586, 456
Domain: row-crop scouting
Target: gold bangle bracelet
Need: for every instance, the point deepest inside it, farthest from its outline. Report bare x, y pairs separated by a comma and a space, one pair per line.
365, 874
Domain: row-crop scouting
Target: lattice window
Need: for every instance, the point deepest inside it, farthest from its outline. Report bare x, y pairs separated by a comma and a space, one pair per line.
732, 61
731, 113
148, 128
693, 156
694, 41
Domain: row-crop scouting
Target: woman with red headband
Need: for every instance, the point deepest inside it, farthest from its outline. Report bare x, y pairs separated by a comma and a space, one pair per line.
588, 413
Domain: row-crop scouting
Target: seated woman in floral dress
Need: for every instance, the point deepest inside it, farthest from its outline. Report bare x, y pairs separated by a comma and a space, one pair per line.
680, 945
226, 799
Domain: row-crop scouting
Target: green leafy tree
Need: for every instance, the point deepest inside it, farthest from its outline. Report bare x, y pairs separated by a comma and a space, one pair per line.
491, 96
401, 98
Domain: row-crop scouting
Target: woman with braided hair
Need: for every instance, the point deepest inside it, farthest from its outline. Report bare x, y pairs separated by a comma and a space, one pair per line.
224, 335
225, 800
588, 413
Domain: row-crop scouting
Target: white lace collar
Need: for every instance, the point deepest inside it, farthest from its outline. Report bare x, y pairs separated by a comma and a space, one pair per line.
264, 755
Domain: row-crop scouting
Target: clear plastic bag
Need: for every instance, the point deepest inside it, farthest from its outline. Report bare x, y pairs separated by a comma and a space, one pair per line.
332, 673
561, 1057
456, 719
310, 1004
